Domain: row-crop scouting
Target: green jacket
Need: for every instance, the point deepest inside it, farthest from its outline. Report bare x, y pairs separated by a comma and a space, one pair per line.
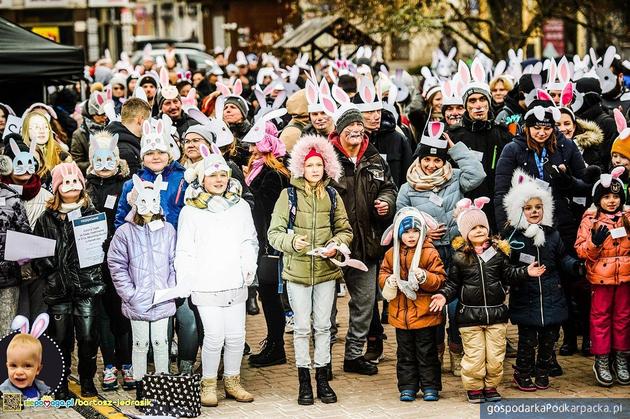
312, 220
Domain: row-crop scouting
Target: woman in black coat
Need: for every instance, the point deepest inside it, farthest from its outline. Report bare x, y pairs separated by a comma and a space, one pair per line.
267, 177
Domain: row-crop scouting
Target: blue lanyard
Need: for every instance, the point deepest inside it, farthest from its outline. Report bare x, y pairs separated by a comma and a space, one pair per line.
540, 161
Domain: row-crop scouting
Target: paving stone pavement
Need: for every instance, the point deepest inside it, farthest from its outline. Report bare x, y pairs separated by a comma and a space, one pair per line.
275, 388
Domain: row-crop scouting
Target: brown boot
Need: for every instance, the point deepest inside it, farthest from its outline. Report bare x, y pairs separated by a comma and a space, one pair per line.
456, 363
209, 392
234, 389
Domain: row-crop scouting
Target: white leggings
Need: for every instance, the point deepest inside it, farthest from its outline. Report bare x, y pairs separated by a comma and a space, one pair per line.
223, 328
145, 333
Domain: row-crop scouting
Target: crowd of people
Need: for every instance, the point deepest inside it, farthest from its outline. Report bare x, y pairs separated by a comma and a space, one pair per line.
485, 194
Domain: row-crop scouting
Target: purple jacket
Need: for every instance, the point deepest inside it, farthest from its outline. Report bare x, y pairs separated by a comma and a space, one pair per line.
141, 262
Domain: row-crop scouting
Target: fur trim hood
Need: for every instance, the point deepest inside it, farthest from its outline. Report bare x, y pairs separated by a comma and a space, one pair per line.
332, 167
6, 165
591, 135
524, 188
459, 243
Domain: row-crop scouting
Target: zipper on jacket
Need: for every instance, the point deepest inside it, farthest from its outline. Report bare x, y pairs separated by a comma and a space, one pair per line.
313, 238
542, 314
483, 289
404, 258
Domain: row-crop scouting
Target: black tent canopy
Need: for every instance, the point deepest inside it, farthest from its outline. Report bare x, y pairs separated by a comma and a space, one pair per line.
26, 55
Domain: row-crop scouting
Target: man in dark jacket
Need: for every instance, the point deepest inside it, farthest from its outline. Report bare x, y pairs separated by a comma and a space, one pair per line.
134, 112
588, 105
369, 194
515, 107
484, 137
173, 108
94, 119
391, 143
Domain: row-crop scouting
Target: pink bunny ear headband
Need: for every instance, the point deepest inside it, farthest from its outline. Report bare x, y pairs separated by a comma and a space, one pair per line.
40, 325
606, 180
465, 204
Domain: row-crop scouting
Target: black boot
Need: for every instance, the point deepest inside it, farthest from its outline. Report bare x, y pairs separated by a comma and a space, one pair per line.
305, 393
88, 389
523, 381
324, 392
601, 368
569, 346
555, 370
384, 314
620, 368
139, 391
62, 392
271, 354
374, 352
586, 346
252, 302
360, 366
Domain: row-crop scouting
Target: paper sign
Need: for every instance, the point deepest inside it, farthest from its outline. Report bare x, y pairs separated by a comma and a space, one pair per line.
17, 188
110, 201
525, 258
13, 126
477, 154
156, 225
27, 246
618, 232
436, 199
169, 294
164, 186
580, 200
73, 215
542, 184
89, 234
488, 254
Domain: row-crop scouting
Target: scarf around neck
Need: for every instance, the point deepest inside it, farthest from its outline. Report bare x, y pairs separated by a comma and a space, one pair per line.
197, 197
30, 189
71, 206
420, 181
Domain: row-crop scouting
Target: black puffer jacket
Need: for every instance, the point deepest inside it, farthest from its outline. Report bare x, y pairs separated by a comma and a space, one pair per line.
99, 189
481, 286
359, 186
183, 123
606, 122
393, 146
239, 131
266, 188
486, 139
540, 301
64, 280
128, 145
12, 217
518, 155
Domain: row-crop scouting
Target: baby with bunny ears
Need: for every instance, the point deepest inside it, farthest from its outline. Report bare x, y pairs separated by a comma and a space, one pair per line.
24, 359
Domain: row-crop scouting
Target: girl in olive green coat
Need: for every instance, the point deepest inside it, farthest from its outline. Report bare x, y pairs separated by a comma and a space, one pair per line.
320, 219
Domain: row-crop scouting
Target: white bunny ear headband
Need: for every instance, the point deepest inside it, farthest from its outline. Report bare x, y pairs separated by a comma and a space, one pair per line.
611, 180
40, 325
367, 93
342, 98
434, 136
560, 75
167, 91
257, 132
237, 90
622, 125
389, 102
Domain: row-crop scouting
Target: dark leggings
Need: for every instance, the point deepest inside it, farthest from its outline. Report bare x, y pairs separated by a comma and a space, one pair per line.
114, 330
528, 362
273, 311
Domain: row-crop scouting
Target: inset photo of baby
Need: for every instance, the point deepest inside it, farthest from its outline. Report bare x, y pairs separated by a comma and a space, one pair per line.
30, 361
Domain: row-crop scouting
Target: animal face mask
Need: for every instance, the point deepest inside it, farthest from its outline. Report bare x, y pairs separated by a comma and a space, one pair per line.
148, 200
71, 181
104, 159
24, 161
38, 129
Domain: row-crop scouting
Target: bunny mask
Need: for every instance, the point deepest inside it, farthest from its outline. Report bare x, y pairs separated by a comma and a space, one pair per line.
607, 79
153, 139
24, 161
67, 177
147, 195
104, 158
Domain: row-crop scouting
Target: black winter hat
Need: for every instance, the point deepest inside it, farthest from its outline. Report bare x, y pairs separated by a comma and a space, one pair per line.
588, 84
609, 183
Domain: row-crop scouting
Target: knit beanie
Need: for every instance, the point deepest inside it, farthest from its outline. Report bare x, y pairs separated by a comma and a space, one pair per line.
476, 89
609, 183
469, 215
347, 118
621, 144
239, 102
408, 223
542, 113
313, 153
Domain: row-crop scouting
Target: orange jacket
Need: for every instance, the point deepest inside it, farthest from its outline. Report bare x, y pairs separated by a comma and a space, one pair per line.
608, 264
414, 314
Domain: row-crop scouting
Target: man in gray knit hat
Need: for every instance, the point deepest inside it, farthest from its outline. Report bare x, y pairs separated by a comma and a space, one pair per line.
369, 195
94, 119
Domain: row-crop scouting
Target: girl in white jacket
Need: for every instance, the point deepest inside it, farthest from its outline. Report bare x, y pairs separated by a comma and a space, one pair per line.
216, 254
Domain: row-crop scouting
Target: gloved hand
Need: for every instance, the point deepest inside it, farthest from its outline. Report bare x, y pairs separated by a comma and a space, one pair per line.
560, 176
599, 236
406, 289
390, 289
419, 275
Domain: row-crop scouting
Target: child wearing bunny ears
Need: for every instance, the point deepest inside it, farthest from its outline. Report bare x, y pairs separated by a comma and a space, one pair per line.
106, 174
24, 359
603, 242
141, 258
480, 274
70, 292
411, 271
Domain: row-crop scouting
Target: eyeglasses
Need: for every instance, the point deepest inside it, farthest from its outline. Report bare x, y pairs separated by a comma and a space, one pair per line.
192, 141
118, 88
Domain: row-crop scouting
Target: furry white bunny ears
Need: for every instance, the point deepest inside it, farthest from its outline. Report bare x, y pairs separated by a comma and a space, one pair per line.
40, 325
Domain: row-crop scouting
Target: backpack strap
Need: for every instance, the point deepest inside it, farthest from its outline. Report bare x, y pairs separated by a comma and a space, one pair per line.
292, 206
332, 194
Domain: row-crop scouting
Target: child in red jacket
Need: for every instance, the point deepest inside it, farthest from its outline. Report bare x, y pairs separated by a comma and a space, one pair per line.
603, 241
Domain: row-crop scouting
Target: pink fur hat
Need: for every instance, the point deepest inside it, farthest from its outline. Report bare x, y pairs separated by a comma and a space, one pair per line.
332, 167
